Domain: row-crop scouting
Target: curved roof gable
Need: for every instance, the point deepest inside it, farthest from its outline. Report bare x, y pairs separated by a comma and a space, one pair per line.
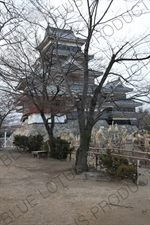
117, 85
63, 34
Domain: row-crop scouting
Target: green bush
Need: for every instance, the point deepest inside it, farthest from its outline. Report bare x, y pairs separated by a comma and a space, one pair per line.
117, 166
46, 145
59, 148
35, 142
126, 171
20, 141
31, 143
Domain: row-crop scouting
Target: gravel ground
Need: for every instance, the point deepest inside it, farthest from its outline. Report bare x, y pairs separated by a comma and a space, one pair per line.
46, 192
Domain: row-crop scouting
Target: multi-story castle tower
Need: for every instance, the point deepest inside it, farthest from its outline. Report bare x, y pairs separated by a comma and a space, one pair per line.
58, 73
60, 69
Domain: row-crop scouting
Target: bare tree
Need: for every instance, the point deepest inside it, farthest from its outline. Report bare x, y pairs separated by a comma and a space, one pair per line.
6, 106
35, 85
34, 80
129, 51
89, 19
10, 18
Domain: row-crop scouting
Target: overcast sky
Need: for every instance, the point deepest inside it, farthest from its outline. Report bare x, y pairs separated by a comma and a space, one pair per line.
134, 23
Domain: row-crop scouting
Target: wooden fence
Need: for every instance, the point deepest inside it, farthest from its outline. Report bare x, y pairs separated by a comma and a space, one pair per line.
133, 155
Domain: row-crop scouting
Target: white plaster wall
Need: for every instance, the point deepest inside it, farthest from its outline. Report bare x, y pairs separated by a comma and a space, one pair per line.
36, 118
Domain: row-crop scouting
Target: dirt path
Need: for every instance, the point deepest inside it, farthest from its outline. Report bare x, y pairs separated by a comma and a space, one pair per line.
45, 192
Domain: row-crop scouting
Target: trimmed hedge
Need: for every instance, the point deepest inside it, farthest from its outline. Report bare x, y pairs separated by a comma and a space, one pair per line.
31, 143
20, 141
59, 148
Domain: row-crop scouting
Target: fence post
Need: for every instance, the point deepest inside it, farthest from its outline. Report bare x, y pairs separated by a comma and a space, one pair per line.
137, 170
5, 137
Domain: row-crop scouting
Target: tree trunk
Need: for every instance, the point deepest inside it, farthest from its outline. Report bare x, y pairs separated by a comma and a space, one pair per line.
49, 128
82, 152
81, 155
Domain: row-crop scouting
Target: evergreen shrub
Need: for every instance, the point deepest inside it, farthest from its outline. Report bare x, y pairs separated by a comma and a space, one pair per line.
117, 166
59, 148
35, 142
31, 143
21, 141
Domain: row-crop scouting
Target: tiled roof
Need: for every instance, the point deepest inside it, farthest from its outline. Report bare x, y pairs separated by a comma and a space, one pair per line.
79, 87
116, 85
63, 33
124, 103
